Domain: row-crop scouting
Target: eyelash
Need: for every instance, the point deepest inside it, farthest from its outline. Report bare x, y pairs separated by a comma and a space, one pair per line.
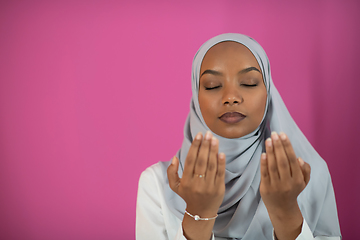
245, 85
211, 88
249, 85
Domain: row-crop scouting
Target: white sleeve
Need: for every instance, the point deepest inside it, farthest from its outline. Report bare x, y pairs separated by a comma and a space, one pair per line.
150, 219
306, 234
180, 235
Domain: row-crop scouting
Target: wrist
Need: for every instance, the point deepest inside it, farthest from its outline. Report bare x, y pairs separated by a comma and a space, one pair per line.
285, 211
203, 213
198, 218
287, 224
197, 230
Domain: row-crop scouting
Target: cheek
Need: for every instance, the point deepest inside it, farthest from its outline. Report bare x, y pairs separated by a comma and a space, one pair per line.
258, 104
207, 107
261, 104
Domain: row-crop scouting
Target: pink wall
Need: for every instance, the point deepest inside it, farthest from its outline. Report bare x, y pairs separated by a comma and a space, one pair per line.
93, 92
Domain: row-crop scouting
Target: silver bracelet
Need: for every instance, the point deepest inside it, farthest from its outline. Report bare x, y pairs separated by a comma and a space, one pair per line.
197, 217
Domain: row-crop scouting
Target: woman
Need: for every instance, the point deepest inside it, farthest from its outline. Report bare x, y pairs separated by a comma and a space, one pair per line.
237, 174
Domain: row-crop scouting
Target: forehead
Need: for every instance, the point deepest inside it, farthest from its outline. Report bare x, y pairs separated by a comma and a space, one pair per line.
226, 45
229, 51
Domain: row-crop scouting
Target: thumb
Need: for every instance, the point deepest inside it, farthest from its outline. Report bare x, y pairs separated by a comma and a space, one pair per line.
306, 170
172, 173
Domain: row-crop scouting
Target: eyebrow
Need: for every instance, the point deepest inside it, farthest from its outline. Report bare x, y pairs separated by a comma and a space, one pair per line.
213, 72
246, 70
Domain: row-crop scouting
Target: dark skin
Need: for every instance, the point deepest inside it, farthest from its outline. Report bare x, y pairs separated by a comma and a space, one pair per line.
231, 81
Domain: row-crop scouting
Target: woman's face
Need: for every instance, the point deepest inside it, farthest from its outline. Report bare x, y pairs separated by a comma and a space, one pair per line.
232, 94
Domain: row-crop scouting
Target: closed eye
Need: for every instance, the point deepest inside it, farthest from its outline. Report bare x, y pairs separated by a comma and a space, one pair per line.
249, 85
211, 88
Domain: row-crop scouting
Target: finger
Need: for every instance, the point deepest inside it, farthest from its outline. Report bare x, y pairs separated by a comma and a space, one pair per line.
306, 170
220, 170
192, 155
172, 173
265, 177
203, 156
271, 161
294, 165
213, 159
281, 157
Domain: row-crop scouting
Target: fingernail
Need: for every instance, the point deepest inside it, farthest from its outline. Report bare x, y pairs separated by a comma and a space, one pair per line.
213, 141
282, 136
268, 142
221, 155
208, 135
173, 161
198, 136
263, 156
274, 136
301, 161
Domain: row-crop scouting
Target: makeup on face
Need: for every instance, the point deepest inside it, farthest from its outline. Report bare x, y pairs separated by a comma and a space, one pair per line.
232, 94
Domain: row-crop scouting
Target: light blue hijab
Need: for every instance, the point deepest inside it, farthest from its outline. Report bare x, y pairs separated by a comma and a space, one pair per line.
243, 215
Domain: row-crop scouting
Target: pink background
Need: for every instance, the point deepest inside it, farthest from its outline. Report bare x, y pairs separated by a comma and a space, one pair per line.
93, 92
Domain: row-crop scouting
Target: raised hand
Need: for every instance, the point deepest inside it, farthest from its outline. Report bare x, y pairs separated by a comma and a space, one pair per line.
283, 178
202, 185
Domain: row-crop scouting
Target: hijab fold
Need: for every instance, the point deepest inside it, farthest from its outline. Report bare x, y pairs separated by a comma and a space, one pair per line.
242, 214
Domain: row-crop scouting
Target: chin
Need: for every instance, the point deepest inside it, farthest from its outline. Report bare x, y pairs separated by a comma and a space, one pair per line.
231, 134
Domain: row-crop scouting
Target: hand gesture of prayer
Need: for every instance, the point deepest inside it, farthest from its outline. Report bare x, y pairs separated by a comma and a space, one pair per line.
283, 178
202, 185
232, 97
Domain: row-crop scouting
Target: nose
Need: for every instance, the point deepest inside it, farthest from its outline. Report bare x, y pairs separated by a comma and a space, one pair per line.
231, 96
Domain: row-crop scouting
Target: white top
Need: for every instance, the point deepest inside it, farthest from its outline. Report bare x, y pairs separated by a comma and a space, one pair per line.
154, 220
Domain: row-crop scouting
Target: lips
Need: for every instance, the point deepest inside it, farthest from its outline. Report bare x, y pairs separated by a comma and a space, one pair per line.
232, 117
